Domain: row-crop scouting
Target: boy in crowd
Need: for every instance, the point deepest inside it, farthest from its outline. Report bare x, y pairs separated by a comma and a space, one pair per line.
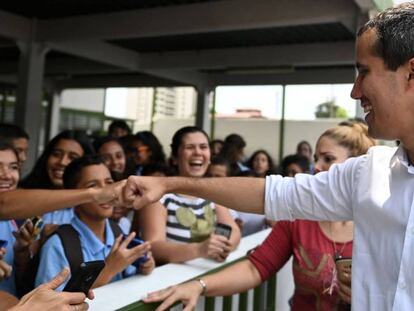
18, 138
96, 236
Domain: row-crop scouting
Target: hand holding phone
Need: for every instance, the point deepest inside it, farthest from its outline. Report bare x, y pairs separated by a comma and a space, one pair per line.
344, 274
135, 242
223, 229
83, 278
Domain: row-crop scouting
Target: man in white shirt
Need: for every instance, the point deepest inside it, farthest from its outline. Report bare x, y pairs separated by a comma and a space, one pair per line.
375, 190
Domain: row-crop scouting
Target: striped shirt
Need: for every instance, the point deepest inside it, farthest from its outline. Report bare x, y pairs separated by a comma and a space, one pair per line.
189, 219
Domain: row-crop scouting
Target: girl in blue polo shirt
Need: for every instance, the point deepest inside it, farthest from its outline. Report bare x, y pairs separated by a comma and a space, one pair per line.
15, 253
97, 240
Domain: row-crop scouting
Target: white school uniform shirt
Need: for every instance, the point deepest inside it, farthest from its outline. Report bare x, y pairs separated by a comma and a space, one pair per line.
376, 191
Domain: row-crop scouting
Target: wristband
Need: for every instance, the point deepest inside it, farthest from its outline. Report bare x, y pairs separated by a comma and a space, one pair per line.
203, 286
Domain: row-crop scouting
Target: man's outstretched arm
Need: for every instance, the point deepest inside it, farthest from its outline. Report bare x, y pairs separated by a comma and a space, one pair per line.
240, 193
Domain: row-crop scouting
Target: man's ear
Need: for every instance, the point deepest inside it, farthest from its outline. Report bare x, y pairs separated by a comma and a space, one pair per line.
410, 74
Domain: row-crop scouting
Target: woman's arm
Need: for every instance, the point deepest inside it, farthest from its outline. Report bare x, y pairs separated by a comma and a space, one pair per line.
24, 203
234, 279
152, 221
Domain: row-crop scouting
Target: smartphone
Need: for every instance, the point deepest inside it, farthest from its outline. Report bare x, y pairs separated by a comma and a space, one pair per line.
135, 242
84, 277
343, 265
3, 243
223, 229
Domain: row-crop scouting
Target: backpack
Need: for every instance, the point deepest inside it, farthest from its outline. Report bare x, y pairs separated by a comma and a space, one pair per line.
73, 253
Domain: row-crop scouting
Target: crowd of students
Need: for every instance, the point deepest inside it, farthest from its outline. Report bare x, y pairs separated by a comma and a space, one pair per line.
75, 190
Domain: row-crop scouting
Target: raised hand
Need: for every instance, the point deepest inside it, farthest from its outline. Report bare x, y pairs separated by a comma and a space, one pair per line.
142, 191
45, 298
121, 256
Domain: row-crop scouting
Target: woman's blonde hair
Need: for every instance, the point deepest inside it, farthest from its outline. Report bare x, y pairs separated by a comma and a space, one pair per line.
352, 135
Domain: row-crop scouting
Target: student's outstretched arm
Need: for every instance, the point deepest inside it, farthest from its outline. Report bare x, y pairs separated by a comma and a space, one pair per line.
234, 279
23, 203
241, 193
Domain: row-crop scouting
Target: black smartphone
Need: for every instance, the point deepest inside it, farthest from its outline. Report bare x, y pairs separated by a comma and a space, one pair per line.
84, 277
3, 243
223, 229
135, 242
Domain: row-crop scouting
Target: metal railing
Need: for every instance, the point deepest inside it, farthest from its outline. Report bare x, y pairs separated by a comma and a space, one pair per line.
127, 294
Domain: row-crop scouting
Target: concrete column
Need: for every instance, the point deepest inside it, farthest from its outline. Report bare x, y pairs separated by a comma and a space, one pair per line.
55, 115
28, 112
203, 109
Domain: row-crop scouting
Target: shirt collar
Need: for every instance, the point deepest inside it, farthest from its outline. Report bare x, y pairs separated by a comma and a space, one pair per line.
89, 239
400, 156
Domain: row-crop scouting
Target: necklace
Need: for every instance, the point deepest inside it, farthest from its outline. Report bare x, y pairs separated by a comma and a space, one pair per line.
337, 253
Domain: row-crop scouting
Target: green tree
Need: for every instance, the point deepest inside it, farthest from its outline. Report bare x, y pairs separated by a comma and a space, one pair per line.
330, 110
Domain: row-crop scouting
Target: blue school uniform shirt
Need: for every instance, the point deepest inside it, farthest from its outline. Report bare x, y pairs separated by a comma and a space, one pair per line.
59, 217
53, 259
6, 229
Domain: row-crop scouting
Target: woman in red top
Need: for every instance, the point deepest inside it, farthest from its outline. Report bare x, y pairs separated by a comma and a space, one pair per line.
313, 245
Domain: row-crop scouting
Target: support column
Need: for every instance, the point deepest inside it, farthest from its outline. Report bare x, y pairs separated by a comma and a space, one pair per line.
55, 115
203, 109
28, 110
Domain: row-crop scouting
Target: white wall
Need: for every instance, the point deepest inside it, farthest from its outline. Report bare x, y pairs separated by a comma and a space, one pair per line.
88, 100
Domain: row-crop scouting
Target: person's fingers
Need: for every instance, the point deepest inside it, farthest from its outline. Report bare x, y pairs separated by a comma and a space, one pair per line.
167, 302
158, 295
140, 250
130, 191
190, 306
73, 298
91, 295
58, 279
128, 239
5, 269
117, 242
80, 307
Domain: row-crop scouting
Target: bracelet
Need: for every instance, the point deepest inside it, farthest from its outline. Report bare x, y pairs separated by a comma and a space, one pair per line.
203, 286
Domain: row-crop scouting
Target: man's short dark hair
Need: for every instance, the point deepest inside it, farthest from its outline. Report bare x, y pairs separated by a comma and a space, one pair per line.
72, 174
395, 35
10, 132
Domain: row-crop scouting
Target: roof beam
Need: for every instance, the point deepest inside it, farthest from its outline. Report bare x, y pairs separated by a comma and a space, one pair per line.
100, 52
320, 54
196, 18
317, 76
14, 26
121, 80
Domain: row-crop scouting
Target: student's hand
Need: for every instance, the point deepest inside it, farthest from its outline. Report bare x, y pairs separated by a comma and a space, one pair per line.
142, 191
344, 284
187, 293
5, 269
24, 238
148, 266
111, 194
121, 256
216, 247
45, 298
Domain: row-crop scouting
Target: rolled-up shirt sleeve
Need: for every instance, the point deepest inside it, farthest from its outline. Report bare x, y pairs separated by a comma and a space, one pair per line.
324, 196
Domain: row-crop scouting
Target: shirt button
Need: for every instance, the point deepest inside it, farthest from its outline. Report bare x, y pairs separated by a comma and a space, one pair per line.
402, 285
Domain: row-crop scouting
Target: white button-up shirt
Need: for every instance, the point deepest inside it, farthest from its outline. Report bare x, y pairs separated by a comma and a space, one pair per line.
376, 191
